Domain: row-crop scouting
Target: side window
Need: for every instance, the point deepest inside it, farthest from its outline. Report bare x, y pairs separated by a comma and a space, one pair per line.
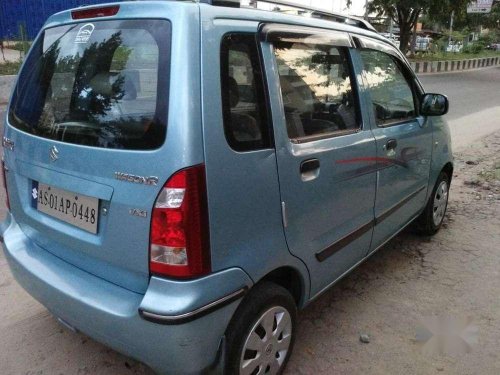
392, 95
243, 97
317, 91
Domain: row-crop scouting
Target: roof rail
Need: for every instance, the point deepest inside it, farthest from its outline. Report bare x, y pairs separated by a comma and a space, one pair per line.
310, 11
222, 3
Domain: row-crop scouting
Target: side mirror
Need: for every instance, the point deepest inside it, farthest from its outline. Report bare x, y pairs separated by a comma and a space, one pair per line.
434, 105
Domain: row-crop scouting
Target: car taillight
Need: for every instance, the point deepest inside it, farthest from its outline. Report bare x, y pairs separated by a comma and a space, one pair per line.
95, 12
179, 243
4, 169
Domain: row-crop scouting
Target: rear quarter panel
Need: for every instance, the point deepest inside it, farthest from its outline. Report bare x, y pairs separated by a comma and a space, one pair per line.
246, 228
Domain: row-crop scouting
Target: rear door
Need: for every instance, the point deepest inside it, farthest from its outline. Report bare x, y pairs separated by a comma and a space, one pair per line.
403, 138
325, 153
88, 121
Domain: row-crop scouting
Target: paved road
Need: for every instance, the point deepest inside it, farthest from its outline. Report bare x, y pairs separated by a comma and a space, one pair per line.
469, 92
475, 102
455, 273
474, 98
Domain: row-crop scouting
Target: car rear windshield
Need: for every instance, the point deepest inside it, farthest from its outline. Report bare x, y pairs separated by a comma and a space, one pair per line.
101, 84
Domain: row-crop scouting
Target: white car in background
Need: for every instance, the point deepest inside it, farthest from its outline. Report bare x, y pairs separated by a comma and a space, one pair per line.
423, 44
455, 48
494, 47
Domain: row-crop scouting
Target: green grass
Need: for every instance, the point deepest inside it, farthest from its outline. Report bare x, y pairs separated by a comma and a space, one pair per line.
447, 56
20, 46
9, 68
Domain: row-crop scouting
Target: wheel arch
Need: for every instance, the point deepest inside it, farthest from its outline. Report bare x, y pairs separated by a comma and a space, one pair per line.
444, 167
292, 280
448, 169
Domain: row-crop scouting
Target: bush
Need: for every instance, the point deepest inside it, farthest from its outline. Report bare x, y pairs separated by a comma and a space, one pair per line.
475, 48
442, 43
9, 68
486, 39
21, 46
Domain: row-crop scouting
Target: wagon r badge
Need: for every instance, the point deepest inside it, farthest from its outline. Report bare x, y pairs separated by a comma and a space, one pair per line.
137, 179
54, 153
137, 212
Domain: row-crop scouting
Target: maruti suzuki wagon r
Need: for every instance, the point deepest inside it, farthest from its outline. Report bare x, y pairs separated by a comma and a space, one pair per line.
183, 176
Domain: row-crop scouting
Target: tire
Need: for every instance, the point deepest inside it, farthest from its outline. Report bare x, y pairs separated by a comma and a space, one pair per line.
431, 220
250, 347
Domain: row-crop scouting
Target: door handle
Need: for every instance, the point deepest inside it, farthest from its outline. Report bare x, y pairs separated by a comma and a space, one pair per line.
391, 144
309, 169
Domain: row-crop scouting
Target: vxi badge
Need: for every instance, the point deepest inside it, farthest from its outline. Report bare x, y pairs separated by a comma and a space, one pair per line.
136, 179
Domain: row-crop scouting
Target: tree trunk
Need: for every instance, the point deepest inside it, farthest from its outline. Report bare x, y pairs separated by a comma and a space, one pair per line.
414, 40
405, 35
407, 19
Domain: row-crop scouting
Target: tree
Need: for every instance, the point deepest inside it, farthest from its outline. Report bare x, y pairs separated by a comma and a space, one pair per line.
489, 20
407, 12
463, 19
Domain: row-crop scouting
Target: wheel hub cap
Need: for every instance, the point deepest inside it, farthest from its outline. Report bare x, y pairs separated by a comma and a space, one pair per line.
266, 346
440, 203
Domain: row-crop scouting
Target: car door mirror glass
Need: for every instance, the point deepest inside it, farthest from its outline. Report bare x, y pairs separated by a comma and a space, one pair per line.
434, 105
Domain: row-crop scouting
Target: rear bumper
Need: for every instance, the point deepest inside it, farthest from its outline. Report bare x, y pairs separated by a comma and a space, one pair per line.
110, 314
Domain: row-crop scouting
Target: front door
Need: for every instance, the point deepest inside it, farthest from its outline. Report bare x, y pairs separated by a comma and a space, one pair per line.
404, 143
324, 153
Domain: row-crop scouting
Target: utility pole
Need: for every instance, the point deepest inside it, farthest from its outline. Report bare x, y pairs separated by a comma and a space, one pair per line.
366, 10
451, 27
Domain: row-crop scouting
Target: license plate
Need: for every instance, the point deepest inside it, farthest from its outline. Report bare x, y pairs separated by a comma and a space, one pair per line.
75, 209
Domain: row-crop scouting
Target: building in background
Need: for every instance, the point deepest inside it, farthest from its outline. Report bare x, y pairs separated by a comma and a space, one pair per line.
22, 19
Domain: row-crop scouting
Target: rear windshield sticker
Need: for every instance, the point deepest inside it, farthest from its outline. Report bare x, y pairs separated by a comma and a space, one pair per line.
84, 33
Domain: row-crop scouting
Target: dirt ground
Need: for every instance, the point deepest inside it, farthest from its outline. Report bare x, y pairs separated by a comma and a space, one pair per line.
455, 274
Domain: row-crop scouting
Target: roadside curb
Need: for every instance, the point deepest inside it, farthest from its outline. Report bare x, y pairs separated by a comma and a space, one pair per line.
6, 85
425, 67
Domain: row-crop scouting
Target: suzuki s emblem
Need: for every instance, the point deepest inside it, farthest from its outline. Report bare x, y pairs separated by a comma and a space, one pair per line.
54, 153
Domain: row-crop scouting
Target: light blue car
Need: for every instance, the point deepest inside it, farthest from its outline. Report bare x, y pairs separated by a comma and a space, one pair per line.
184, 176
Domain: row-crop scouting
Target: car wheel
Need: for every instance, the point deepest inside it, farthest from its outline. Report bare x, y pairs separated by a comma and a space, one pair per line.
261, 336
431, 219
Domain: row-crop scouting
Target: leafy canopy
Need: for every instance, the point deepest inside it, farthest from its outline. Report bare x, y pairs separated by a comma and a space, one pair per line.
407, 12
